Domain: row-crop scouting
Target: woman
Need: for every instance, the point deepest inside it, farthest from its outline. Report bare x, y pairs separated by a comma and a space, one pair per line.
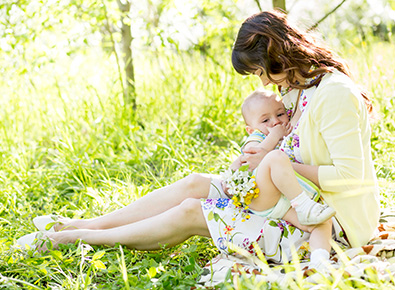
330, 146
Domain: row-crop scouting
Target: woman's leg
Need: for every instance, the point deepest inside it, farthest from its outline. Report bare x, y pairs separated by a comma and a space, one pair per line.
168, 228
152, 204
320, 235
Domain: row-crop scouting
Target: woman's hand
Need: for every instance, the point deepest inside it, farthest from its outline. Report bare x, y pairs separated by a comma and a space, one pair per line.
253, 156
236, 164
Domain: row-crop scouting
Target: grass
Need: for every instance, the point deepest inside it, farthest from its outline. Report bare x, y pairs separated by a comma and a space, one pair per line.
69, 147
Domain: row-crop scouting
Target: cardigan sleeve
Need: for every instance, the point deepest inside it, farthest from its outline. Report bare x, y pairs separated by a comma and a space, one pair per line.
339, 113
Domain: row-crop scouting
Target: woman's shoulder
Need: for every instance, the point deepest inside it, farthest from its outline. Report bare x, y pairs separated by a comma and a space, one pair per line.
336, 79
337, 88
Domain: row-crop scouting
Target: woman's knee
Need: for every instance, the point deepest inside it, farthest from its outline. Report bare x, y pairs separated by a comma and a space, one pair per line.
309, 229
193, 221
190, 210
197, 185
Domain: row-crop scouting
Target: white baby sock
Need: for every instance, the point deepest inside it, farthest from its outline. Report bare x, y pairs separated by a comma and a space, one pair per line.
318, 259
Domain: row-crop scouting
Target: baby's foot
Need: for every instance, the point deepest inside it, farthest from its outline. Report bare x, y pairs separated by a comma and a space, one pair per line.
310, 212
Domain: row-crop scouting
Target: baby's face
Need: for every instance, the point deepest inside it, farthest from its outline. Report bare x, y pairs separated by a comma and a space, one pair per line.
266, 113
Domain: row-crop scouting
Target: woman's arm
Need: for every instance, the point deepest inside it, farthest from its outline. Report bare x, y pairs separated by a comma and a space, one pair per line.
308, 171
342, 121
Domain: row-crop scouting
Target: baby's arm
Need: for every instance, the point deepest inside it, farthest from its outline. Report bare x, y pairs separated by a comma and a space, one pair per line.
276, 134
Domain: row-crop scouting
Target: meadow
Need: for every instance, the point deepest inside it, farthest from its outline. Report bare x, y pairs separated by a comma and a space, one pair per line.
70, 146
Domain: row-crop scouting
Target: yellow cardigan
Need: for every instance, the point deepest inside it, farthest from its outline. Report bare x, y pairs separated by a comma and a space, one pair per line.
334, 133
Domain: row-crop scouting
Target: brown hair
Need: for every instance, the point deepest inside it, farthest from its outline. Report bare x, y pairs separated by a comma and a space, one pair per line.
266, 41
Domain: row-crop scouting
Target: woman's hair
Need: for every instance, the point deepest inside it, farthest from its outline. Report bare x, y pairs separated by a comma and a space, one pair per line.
266, 41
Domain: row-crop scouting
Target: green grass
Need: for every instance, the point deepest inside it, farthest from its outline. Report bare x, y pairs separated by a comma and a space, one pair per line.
68, 147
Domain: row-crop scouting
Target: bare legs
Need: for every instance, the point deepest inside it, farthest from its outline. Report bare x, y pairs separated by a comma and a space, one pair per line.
274, 176
152, 204
168, 228
170, 215
320, 235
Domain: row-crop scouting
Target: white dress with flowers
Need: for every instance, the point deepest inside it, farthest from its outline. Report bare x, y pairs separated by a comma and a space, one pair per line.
229, 227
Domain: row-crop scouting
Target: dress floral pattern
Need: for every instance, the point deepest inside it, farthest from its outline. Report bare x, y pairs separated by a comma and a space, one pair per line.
275, 238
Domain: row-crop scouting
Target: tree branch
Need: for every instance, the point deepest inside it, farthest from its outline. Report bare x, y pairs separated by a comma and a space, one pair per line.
323, 18
258, 4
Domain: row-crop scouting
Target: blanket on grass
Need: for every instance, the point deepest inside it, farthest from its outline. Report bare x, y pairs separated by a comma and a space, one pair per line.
355, 266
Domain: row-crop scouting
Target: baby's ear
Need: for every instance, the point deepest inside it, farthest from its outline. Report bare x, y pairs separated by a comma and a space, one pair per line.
249, 130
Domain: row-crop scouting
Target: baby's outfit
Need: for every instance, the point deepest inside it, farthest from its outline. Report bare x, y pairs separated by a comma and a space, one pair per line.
283, 205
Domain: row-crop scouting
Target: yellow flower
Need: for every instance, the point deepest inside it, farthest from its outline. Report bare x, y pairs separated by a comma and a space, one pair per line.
257, 190
248, 216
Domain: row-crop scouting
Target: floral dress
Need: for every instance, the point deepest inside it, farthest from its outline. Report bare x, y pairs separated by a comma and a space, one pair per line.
275, 238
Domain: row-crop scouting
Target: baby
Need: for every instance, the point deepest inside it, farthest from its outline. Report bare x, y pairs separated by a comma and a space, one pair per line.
266, 120
267, 123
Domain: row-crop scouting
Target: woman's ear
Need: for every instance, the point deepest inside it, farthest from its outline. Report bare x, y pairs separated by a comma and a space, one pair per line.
249, 130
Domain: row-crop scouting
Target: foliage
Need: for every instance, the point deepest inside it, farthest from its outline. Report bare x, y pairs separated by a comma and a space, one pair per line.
66, 147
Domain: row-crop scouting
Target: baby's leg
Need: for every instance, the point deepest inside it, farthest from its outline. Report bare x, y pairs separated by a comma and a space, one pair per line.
275, 175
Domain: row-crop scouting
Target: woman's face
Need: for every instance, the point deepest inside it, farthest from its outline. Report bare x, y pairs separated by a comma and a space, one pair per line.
278, 78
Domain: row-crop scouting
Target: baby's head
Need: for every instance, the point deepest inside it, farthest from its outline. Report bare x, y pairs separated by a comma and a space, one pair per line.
263, 109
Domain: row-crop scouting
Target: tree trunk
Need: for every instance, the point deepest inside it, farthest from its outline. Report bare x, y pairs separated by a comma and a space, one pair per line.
279, 4
129, 93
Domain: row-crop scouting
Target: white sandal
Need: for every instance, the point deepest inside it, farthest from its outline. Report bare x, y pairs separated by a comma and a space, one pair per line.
32, 241
46, 223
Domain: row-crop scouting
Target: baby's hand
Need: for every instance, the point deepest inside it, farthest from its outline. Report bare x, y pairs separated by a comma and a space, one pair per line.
281, 130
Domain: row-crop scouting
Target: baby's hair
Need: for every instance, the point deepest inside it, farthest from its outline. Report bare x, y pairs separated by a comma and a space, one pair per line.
258, 94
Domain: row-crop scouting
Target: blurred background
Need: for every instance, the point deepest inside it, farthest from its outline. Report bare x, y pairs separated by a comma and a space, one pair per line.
102, 101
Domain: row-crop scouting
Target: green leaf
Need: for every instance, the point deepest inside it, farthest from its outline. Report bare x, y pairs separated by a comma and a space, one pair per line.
189, 268
98, 255
216, 217
210, 215
99, 265
285, 234
292, 229
228, 275
151, 272
244, 167
57, 254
